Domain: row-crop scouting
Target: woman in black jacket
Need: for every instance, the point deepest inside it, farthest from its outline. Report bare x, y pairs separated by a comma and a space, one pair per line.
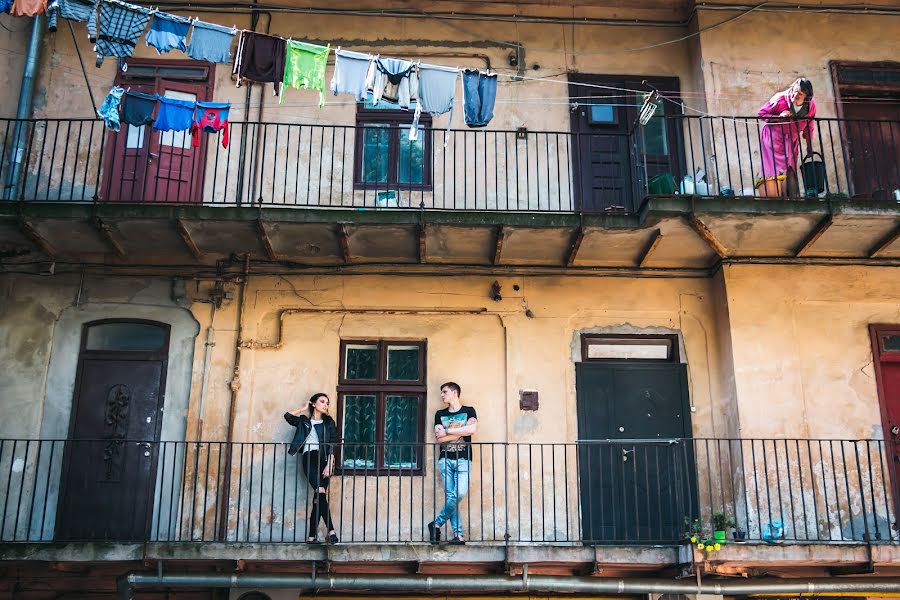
316, 435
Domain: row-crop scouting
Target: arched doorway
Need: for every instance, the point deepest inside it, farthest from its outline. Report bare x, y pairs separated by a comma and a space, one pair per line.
109, 465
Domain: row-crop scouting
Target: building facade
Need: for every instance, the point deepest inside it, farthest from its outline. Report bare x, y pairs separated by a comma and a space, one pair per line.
656, 346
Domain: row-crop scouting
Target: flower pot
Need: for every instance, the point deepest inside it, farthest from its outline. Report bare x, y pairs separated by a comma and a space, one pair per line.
738, 535
771, 187
720, 536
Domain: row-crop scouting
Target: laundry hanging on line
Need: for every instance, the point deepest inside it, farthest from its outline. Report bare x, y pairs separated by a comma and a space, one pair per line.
172, 114
211, 42
304, 67
211, 117
137, 108
28, 8
82, 11
121, 25
168, 32
264, 58
260, 58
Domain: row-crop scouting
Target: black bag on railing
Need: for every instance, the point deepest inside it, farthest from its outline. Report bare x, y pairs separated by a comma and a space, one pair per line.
813, 174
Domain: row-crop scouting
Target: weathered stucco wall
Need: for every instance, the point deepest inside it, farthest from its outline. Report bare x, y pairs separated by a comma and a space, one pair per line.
802, 349
748, 61
41, 320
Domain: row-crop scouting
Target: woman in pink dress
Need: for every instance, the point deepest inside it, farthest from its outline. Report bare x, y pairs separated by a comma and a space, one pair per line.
788, 115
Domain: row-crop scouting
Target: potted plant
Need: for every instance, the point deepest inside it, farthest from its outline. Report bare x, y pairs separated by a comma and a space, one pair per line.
738, 534
720, 524
698, 537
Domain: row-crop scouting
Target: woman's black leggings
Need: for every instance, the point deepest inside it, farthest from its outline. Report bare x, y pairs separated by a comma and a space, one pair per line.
313, 465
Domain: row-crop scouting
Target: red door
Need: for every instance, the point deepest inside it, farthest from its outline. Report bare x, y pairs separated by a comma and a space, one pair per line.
886, 348
146, 165
873, 145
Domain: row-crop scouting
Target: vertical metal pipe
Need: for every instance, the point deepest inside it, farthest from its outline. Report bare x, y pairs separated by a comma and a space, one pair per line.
23, 110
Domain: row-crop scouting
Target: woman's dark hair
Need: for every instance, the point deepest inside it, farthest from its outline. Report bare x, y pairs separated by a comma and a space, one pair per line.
314, 397
806, 87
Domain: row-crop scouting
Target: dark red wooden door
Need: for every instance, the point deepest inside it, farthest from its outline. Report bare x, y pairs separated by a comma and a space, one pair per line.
872, 134
145, 165
175, 167
886, 348
110, 459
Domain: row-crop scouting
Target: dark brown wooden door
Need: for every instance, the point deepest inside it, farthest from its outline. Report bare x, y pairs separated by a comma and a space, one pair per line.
110, 458
634, 491
612, 158
872, 132
886, 349
153, 166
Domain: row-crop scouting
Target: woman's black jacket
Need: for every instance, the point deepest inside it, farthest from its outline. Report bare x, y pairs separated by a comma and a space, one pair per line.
304, 426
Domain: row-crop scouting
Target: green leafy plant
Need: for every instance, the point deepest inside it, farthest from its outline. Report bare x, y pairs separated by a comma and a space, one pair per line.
721, 521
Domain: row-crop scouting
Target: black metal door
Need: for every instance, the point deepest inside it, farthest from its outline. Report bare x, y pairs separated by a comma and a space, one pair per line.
636, 468
603, 166
613, 157
109, 465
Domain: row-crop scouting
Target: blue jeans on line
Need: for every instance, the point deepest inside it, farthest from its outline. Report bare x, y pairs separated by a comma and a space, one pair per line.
455, 476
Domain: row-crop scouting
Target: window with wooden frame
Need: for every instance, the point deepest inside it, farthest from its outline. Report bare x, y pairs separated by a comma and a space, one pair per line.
385, 157
656, 348
381, 406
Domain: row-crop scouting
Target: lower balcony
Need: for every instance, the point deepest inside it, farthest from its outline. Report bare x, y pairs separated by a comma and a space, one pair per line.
629, 504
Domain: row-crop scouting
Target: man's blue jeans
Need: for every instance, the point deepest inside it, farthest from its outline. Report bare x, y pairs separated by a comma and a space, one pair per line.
455, 476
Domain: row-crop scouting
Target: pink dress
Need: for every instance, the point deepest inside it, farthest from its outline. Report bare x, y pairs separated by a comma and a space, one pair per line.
779, 140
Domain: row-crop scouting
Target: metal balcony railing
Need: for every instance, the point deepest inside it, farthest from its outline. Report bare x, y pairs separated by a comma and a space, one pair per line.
369, 166
603, 492
725, 156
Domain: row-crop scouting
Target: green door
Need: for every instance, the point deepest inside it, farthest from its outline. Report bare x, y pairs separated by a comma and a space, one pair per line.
636, 463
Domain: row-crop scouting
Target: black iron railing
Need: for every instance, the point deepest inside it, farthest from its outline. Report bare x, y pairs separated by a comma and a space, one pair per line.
733, 156
313, 165
604, 492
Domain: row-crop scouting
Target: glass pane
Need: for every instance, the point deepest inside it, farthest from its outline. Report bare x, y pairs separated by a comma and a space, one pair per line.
625, 351
183, 73
412, 157
126, 336
892, 343
135, 137
359, 431
375, 153
401, 422
403, 363
361, 362
655, 133
602, 113
177, 139
384, 104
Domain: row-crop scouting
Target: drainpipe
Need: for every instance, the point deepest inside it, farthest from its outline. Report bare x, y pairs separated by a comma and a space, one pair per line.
23, 111
505, 584
225, 491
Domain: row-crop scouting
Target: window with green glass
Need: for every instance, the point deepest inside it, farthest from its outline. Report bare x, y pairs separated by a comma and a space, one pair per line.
385, 156
381, 396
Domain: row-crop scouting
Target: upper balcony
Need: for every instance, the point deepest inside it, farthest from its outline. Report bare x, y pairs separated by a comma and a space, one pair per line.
679, 192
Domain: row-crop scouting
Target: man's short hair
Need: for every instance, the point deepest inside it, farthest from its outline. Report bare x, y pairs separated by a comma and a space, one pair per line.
453, 386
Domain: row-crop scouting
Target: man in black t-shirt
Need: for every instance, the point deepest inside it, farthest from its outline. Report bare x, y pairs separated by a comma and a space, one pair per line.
453, 429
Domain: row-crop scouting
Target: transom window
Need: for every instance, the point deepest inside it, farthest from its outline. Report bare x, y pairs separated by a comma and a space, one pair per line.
381, 404
386, 159
126, 336
659, 348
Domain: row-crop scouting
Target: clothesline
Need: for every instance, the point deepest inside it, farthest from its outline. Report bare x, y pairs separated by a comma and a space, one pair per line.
115, 26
